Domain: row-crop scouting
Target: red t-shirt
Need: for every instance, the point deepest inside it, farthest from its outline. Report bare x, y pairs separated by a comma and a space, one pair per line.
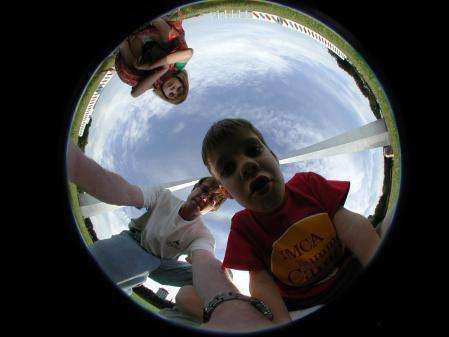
298, 243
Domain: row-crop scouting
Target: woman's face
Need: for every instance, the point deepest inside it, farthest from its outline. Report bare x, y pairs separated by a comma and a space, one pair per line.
172, 88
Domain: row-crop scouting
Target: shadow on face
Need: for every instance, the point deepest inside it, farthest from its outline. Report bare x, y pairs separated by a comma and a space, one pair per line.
173, 88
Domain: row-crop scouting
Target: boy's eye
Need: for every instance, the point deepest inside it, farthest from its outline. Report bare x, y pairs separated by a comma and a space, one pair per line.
253, 150
227, 169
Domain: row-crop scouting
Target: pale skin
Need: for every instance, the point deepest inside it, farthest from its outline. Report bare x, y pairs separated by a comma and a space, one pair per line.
208, 277
187, 298
131, 50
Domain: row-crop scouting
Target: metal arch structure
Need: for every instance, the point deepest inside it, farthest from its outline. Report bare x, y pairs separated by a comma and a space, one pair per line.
369, 136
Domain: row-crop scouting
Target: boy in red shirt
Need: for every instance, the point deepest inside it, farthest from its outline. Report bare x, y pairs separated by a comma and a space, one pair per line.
296, 239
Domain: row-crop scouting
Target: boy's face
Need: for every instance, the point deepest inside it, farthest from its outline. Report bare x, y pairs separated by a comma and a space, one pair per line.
249, 172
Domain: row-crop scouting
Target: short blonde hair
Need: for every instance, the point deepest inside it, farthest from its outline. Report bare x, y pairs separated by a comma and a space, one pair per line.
184, 79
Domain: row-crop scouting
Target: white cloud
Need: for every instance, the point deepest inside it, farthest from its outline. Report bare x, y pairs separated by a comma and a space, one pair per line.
123, 118
366, 176
105, 119
344, 90
110, 223
178, 127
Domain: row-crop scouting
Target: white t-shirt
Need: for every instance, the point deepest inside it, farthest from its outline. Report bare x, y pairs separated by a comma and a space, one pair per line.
166, 234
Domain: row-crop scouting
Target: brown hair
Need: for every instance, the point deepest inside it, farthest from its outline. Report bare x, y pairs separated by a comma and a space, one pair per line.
184, 79
223, 129
221, 197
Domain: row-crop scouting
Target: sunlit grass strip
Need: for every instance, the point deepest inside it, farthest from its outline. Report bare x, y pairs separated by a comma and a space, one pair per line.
87, 94
353, 56
74, 129
74, 203
142, 302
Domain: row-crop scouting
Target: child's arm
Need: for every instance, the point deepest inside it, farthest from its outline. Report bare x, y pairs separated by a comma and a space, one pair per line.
262, 286
357, 234
179, 56
102, 184
163, 27
209, 279
188, 301
147, 82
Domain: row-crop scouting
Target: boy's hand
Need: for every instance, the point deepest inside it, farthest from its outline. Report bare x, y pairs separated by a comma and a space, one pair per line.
209, 279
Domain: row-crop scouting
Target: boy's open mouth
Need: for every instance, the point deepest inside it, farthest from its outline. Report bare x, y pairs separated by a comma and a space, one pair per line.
259, 185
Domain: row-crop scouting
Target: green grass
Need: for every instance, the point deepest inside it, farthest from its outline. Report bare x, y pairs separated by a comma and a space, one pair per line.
354, 57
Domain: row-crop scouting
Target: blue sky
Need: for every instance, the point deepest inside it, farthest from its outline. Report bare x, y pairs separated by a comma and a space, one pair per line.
284, 82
